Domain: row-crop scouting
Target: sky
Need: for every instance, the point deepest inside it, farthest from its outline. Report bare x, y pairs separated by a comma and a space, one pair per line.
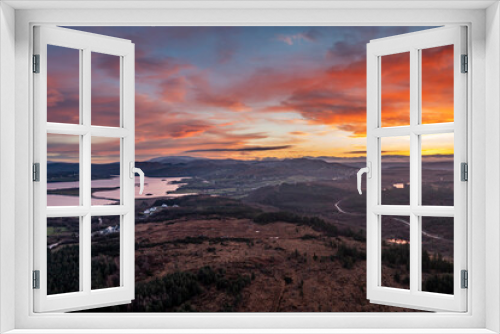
248, 92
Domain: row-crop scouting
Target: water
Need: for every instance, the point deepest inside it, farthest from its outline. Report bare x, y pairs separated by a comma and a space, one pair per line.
153, 187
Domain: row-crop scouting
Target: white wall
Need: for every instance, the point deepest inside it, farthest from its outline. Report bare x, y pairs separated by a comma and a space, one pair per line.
492, 147
7, 160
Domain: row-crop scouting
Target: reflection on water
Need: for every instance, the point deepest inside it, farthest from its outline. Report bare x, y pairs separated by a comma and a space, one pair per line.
153, 187
63, 200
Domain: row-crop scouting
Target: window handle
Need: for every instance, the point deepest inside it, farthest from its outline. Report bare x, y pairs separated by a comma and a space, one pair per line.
363, 170
133, 171
141, 179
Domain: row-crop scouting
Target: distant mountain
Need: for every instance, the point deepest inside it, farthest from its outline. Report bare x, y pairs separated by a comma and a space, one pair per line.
206, 168
266, 169
438, 165
66, 172
248, 169
342, 160
175, 159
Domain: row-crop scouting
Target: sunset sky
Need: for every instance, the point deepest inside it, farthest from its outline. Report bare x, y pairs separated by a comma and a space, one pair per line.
248, 92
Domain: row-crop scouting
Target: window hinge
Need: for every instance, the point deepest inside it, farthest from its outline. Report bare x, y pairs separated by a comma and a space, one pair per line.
36, 172
465, 279
465, 64
36, 279
36, 63
464, 173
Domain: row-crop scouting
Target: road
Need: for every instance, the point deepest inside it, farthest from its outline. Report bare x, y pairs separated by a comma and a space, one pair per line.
427, 234
339, 208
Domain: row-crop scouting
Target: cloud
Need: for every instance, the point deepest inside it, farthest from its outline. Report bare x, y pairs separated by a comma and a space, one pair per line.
64, 110
444, 156
105, 150
335, 96
227, 44
346, 51
54, 93
63, 148
147, 65
62, 85
243, 149
174, 90
221, 101
357, 152
205, 95
187, 128
437, 85
299, 133
311, 35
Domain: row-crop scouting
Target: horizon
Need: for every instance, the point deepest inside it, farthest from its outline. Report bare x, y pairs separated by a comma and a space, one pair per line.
387, 158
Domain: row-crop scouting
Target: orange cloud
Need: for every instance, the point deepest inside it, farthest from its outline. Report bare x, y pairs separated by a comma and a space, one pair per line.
223, 102
335, 97
437, 85
395, 82
299, 133
174, 90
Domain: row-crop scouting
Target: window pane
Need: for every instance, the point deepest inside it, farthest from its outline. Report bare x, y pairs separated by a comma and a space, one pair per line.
105, 171
437, 254
437, 84
63, 85
105, 252
105, 90
395, 83
63, 255
395, 170
395, 232
63, 170
437, 169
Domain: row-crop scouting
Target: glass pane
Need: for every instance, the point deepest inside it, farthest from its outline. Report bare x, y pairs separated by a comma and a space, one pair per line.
437, 254
395, 232
105, 252
63, 85
395, 83
437, 169
105, 171
105, 90
437, 84
395, 170
63, 170
63, 255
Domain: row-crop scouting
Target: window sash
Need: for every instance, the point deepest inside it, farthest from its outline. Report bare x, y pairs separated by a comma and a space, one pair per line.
414, 298
86, 43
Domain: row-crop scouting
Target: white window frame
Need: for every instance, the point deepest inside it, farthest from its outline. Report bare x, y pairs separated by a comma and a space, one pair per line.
483, 245
413, 43
85, 43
